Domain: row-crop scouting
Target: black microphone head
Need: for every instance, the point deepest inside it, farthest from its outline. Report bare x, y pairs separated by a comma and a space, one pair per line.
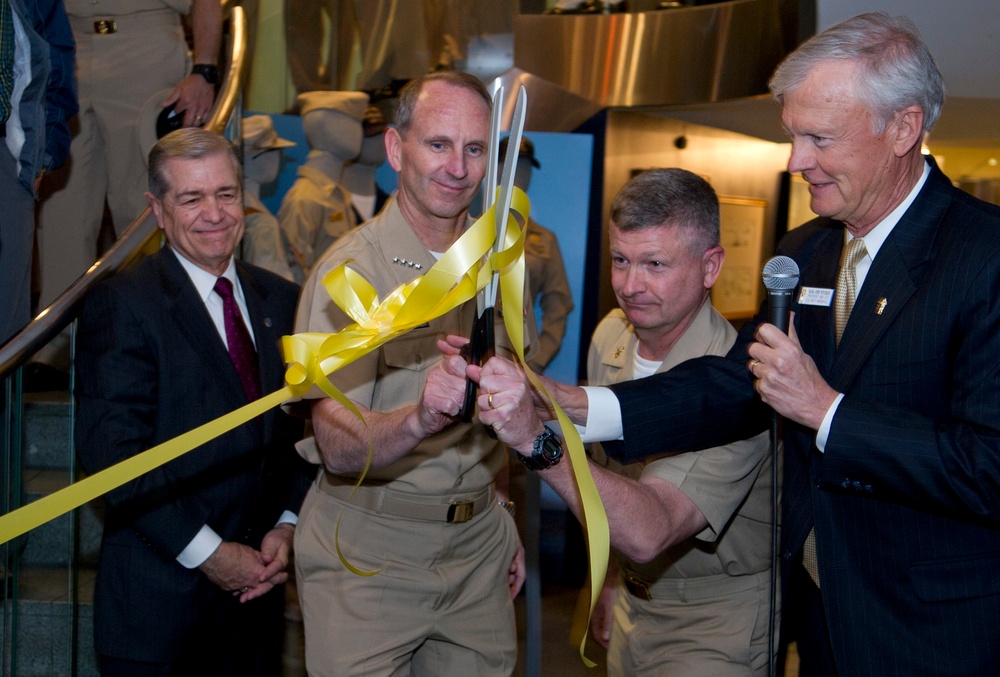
781, 274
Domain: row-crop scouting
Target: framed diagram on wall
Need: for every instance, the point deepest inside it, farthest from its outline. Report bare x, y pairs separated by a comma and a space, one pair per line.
737, 292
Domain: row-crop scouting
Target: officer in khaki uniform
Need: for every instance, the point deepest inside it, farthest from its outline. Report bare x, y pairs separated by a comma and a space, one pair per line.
127, 52
427, 513
720, 573
691, 532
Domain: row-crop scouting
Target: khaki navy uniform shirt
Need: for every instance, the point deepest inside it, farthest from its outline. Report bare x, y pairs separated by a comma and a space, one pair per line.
462, 457
314, 213
730, 484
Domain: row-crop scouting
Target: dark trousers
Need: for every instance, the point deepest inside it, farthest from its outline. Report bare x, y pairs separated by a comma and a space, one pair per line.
804, 622
247, 642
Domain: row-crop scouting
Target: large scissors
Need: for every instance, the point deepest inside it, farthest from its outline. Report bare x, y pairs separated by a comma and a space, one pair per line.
497, 197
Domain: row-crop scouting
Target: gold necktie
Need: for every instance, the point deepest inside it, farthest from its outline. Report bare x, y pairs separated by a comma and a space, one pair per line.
843, 302
847, 284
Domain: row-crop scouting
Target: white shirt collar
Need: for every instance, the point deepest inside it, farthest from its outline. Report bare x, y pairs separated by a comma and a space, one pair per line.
877, 236
204, 281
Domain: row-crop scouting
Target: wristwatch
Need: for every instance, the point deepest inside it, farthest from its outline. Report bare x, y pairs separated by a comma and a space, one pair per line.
546, 452
207, 71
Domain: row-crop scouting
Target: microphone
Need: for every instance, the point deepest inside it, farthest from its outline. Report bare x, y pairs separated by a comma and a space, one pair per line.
781, 276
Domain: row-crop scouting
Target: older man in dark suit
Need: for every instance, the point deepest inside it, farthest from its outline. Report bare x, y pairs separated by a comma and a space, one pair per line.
194, 552
891, 417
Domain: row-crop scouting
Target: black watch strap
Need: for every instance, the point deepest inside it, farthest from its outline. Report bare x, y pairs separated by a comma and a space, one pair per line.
547, 452
207, 71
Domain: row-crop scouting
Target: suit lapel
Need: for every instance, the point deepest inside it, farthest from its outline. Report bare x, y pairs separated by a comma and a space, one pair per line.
814, 324
892, 280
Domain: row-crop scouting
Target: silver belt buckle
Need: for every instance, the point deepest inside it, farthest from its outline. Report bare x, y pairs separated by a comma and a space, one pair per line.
105, 26
461, 512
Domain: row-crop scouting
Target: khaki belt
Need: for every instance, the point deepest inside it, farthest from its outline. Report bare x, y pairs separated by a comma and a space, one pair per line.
107, 25
457, 509
692, 588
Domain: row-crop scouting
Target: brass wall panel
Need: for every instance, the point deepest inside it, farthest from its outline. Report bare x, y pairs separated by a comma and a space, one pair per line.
692, 55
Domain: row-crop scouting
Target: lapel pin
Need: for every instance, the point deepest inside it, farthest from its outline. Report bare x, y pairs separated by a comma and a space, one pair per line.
618, 351
880, 306
268, 322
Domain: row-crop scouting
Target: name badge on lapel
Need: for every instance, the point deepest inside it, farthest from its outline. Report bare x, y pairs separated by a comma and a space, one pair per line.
815, 296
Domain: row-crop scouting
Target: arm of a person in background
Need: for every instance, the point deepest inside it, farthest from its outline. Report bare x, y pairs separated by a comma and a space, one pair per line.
60, 91
344, 440
194, 94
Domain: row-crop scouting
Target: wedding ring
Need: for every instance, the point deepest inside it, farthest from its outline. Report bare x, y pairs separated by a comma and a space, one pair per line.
754, 363
489, 401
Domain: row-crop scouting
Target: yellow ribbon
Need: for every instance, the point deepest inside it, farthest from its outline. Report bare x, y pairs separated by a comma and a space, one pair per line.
510, 263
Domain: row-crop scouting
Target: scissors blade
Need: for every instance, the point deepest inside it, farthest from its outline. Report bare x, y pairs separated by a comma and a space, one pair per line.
489, 190
502, 205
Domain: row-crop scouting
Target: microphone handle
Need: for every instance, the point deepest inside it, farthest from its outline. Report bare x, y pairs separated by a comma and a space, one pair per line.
779, 305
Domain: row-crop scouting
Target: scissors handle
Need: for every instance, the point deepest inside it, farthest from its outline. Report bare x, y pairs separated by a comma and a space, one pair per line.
477, 351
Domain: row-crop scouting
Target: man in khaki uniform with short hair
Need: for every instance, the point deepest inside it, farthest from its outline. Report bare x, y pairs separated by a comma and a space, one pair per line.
427, 514
691, 531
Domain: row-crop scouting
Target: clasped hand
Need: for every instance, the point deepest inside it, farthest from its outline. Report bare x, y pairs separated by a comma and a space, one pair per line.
248, 573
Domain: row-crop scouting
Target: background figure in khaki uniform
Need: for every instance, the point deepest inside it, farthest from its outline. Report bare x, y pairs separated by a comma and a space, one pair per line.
691, 531
262, 244
427, 511
126, 51
546, 273
316, 210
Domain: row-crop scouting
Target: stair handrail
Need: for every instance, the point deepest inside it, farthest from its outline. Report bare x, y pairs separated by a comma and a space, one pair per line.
141, 235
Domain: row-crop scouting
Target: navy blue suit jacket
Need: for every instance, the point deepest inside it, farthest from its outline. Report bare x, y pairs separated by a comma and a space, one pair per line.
151, 366
906, 498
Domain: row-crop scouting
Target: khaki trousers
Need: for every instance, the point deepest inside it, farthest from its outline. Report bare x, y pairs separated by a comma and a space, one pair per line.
439, 606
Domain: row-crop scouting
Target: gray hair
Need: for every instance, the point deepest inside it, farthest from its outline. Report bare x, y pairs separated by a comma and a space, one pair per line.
896, 70
410, 93
188, 143
670, 197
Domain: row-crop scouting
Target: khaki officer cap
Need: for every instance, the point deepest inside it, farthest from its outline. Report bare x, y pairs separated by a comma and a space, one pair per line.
259, 135
352, 104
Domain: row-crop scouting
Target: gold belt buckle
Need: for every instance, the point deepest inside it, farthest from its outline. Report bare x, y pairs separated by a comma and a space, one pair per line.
637, 587
105, 26
461, 512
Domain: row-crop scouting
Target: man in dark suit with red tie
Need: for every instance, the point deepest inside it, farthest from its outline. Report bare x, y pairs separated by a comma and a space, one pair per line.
891, 421
194, 552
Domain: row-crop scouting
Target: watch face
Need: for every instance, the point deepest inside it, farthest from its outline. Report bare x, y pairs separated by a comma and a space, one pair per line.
546, 453
207, 71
